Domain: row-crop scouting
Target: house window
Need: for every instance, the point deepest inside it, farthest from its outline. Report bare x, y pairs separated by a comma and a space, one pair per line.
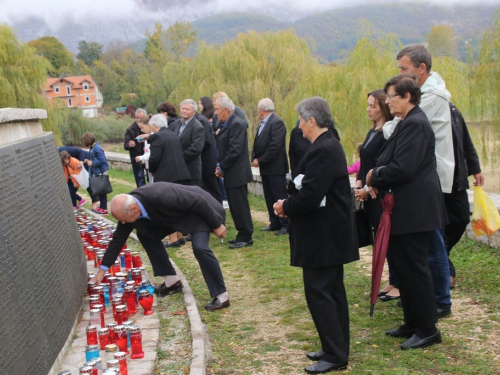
70, 103
68, 90
85, 86
87, 99
56, 89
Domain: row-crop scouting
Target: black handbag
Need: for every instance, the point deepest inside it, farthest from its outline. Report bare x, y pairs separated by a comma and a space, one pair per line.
99, 185
363, 225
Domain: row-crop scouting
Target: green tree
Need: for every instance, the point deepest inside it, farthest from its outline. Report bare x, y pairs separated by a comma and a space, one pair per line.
442, 41
22, 74
89, 52
180, 38
54, 51
155, 49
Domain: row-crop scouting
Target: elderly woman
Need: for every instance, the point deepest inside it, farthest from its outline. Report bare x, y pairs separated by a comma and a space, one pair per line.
406, 165
322, 233
98, 166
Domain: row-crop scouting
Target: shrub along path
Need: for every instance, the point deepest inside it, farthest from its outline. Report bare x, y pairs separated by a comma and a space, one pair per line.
268, 329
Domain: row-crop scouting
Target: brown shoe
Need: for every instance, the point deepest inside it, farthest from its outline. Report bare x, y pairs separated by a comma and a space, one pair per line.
164, 290
452, 282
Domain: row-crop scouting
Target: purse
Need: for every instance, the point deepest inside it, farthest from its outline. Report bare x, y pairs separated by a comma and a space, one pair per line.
363, 225
99, 185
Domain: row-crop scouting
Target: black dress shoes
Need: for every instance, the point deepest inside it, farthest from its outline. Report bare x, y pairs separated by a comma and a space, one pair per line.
240, 244
163, 290
321, 367
315, 356
387, 297
268, 229
177, 243
442, 312
401, 332
217, 305
416, 342
281, 232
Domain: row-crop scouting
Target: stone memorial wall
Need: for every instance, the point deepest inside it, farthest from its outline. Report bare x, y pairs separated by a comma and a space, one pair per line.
42, 264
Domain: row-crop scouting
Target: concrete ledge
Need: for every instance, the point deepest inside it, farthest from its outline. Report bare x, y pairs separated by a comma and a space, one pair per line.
22, 114
17, 124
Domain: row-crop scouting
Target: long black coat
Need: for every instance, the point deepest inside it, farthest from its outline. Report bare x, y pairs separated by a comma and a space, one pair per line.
232, 144
270, 148
192, 143
166, 161
406, 164
322, 236
171, 208
130, 134
209, 153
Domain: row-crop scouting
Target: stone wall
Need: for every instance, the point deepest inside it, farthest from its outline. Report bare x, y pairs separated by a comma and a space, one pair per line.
42, 265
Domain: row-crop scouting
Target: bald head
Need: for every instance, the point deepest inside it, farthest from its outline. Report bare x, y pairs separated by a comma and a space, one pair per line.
125, 209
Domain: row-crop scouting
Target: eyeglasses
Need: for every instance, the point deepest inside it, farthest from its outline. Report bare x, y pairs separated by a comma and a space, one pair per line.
391, 96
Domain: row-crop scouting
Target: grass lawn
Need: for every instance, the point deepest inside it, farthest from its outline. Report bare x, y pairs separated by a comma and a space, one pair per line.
268, 329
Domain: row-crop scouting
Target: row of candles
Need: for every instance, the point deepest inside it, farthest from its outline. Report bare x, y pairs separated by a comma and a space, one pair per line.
124, 287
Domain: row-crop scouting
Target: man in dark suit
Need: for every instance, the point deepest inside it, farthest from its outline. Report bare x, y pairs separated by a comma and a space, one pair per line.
162, 208
192, 136
269, 155
209, 160
135, 148
234, 166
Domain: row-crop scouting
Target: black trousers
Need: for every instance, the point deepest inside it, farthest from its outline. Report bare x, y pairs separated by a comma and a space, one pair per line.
139, 175
410, 255
327, 302
209, 264
240, 211
73, 193
458, 210
274, 189
211, 186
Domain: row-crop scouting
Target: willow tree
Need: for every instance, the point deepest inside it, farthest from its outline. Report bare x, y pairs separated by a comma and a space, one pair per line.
22, 74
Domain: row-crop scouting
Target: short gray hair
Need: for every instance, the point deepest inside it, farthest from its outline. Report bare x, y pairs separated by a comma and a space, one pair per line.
125, 207
159, 121
418, 54
192, 102
225, 102
266, 105
138, 111
316, 107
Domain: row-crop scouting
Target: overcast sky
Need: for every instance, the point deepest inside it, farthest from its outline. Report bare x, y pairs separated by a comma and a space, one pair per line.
52, 10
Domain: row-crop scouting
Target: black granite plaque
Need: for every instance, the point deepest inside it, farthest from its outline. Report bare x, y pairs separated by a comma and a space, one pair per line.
42, 264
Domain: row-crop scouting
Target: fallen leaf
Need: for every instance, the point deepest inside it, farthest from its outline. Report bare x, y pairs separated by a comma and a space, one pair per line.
183, 312
374, 346
277, 322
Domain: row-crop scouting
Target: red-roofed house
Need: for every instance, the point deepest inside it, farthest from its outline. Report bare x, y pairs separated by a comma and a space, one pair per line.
76, 92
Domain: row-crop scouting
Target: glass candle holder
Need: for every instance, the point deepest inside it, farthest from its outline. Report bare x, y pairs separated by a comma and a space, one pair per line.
91, 351
93, 366
113, 363
127, 325
137, 276
136, 260
122, 358
100, 291
106, 287
121, 338
91, 332
146, 301
136, 342
100, 256
101, 314
115, 268
103, 338
130, 298
109, 352
85, 370
122, 260
117, 300
121, 314
95, 318
128, 259
64, 372
111, 328
94, 299
90, 286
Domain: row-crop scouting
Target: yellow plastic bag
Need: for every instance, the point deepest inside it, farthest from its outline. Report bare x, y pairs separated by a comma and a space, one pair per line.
485, 218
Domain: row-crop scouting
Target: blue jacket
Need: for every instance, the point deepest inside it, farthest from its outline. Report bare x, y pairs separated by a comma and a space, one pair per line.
98, 159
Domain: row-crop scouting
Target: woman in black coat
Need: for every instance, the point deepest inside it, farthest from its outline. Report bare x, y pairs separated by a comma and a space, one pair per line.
406, 165
322, 233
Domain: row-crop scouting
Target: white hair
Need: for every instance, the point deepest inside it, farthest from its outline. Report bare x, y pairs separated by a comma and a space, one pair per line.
192, 102
138, 111
125, 207
225, 102
159, 121
266, 105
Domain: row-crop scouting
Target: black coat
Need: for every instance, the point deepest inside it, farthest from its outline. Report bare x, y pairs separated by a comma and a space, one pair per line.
192, 143
171, 208
166, 162
406, 164
209, 153
466, 159
232, 145
372, 145
270, 148
322, 236
132, 132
